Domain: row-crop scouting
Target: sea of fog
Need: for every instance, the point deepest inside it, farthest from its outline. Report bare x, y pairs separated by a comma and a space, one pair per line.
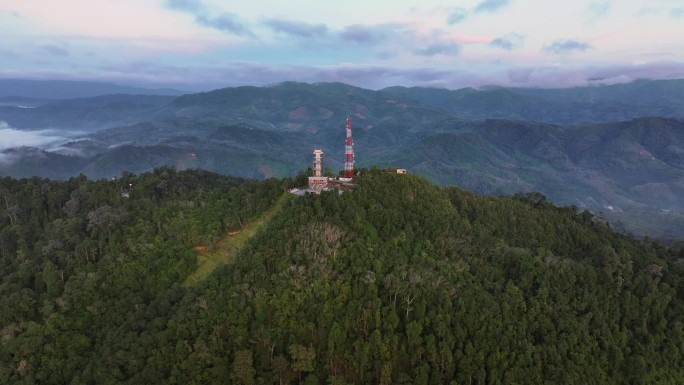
48, 139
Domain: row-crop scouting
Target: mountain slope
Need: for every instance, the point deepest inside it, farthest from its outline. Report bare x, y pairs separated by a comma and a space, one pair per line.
397, 281
620, 169
226, 250
624, 168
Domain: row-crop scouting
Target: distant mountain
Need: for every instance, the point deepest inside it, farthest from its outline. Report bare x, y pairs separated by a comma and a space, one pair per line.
310, 107
641, 92
299, 106
624, 168
68, 89
597, 104
22, 101
84, 114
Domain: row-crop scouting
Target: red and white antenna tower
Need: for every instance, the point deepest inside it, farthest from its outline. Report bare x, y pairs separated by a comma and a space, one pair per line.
349, 153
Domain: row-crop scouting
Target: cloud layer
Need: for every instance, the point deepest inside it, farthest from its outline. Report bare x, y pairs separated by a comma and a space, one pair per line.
599, 8
224, 21
12, 138
55, 50
458, 14
508, 42
564, 46
299, 29
380, 76
491, 5
200, 44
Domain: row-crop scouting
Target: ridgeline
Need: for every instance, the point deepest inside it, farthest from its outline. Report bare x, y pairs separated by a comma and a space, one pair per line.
396, 282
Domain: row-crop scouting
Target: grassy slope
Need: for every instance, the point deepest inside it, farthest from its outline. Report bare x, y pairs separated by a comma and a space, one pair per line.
226, 250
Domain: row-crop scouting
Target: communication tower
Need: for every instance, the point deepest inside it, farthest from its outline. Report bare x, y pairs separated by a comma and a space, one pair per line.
349, 153
318, 163
318, 181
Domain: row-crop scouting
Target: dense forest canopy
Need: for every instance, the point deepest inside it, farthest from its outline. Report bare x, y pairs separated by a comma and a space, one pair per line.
395, 282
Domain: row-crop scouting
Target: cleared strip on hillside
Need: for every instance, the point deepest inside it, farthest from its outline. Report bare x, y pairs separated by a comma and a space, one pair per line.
227, 249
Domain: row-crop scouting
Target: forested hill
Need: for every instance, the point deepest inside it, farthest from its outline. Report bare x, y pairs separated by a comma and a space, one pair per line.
617, 149
395, 282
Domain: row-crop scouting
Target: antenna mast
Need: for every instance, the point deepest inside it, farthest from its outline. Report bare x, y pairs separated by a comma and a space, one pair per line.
349, 153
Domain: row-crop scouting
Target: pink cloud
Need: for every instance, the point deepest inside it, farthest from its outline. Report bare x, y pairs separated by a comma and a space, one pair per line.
472, 39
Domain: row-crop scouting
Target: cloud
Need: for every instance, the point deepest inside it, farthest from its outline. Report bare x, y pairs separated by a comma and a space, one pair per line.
7, 54
363, 34
185, 5
232, 74
457, 15
490, 5
42, 140
508, 41
673, 12
621, 73
386, 55
599, 8
558, 77
55, 50
297, 28
426, 76
225, 22
437, 49
379, 77
520, 75
13, 138
566, 46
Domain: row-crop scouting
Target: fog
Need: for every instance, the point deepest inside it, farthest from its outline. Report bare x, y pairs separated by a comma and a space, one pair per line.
13, 138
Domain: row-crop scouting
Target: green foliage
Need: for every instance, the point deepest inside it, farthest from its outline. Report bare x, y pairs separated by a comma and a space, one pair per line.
396, 281
226, 250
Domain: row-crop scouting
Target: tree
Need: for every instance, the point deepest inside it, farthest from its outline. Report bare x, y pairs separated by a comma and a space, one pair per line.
243, 369
303, 358
12, 213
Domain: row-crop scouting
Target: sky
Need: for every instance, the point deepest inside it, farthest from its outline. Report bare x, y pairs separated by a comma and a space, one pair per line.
209, 44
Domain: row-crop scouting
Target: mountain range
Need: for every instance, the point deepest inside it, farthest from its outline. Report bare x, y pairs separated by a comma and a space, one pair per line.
617, 150
11, 89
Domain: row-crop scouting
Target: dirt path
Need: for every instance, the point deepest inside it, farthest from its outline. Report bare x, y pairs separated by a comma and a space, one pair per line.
227, 249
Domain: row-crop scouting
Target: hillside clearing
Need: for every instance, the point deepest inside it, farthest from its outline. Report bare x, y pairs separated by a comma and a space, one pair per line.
225, 251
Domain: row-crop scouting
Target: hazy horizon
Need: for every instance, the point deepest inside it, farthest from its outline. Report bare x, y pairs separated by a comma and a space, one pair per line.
205, 44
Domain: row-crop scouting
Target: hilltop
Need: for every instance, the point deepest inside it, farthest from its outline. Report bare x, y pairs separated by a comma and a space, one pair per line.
397, 281
616, 150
